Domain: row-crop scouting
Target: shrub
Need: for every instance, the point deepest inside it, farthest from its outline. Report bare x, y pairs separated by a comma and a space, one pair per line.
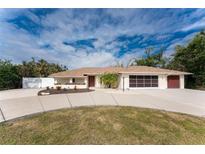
109, 80
58, 87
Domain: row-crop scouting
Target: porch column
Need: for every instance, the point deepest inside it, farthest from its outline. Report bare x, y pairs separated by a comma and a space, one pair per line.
86, 81
181, 81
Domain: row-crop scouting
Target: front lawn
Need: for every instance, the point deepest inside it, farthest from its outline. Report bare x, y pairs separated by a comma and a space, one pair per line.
105, 125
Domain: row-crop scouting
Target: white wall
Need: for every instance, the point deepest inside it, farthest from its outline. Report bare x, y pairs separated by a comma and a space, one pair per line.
181, 81
162, 80
124, 77
47, 82
97, 82
86, 82
37, 82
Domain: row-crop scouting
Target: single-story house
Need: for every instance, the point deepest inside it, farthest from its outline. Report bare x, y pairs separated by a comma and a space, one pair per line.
132, 77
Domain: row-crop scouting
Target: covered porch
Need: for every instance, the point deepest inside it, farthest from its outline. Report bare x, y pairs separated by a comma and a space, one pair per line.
71, 82
82, 82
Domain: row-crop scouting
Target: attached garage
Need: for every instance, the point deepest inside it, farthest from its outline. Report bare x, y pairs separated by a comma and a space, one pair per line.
173, 81
161, 81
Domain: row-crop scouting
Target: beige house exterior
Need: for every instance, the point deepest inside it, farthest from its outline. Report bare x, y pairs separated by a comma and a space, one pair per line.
133, 77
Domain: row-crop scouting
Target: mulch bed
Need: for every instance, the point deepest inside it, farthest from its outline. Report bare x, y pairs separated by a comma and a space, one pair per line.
63, 91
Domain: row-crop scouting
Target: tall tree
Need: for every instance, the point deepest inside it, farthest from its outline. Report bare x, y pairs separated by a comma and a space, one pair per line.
118, 64
40, 68
29, 69
9, 77
151, 59
43, 67
11, 74
191, 58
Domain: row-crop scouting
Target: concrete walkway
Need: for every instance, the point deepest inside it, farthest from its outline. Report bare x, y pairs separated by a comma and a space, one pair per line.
18, 93
184, 101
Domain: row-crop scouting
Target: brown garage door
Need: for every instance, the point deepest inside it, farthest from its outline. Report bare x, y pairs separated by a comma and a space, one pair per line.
173, 81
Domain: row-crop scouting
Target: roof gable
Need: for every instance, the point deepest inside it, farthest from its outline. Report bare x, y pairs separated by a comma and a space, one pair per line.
81, 72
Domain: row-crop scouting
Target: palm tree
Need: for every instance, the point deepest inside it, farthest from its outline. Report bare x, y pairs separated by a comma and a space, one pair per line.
43, 67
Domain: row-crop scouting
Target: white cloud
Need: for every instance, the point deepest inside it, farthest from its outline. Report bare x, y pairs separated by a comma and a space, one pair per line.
129, 57
171, 49
67, 25
198, 24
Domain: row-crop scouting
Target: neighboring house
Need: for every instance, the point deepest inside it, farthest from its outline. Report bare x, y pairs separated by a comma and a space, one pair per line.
132, 77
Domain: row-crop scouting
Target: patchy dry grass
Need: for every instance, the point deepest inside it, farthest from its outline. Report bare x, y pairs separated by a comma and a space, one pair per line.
105, 125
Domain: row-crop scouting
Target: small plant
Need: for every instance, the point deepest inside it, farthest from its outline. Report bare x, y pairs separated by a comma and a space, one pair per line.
47, 88
110, 80
58, 87
75, 88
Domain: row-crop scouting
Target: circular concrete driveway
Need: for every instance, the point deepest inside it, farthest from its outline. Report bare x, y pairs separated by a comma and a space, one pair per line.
18, 93
22, 102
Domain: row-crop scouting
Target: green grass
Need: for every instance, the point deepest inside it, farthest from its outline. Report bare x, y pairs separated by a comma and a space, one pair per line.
105, 125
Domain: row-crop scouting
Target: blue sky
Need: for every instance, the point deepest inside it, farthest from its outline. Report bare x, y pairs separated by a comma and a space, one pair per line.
94, 37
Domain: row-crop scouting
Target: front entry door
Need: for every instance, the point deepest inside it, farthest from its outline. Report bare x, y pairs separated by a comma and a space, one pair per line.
91, 81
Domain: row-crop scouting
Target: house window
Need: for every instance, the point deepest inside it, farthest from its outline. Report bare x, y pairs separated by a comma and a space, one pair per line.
143, 81
73, 80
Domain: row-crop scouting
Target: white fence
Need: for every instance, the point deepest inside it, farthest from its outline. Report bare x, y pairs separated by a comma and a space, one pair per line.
37, 82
